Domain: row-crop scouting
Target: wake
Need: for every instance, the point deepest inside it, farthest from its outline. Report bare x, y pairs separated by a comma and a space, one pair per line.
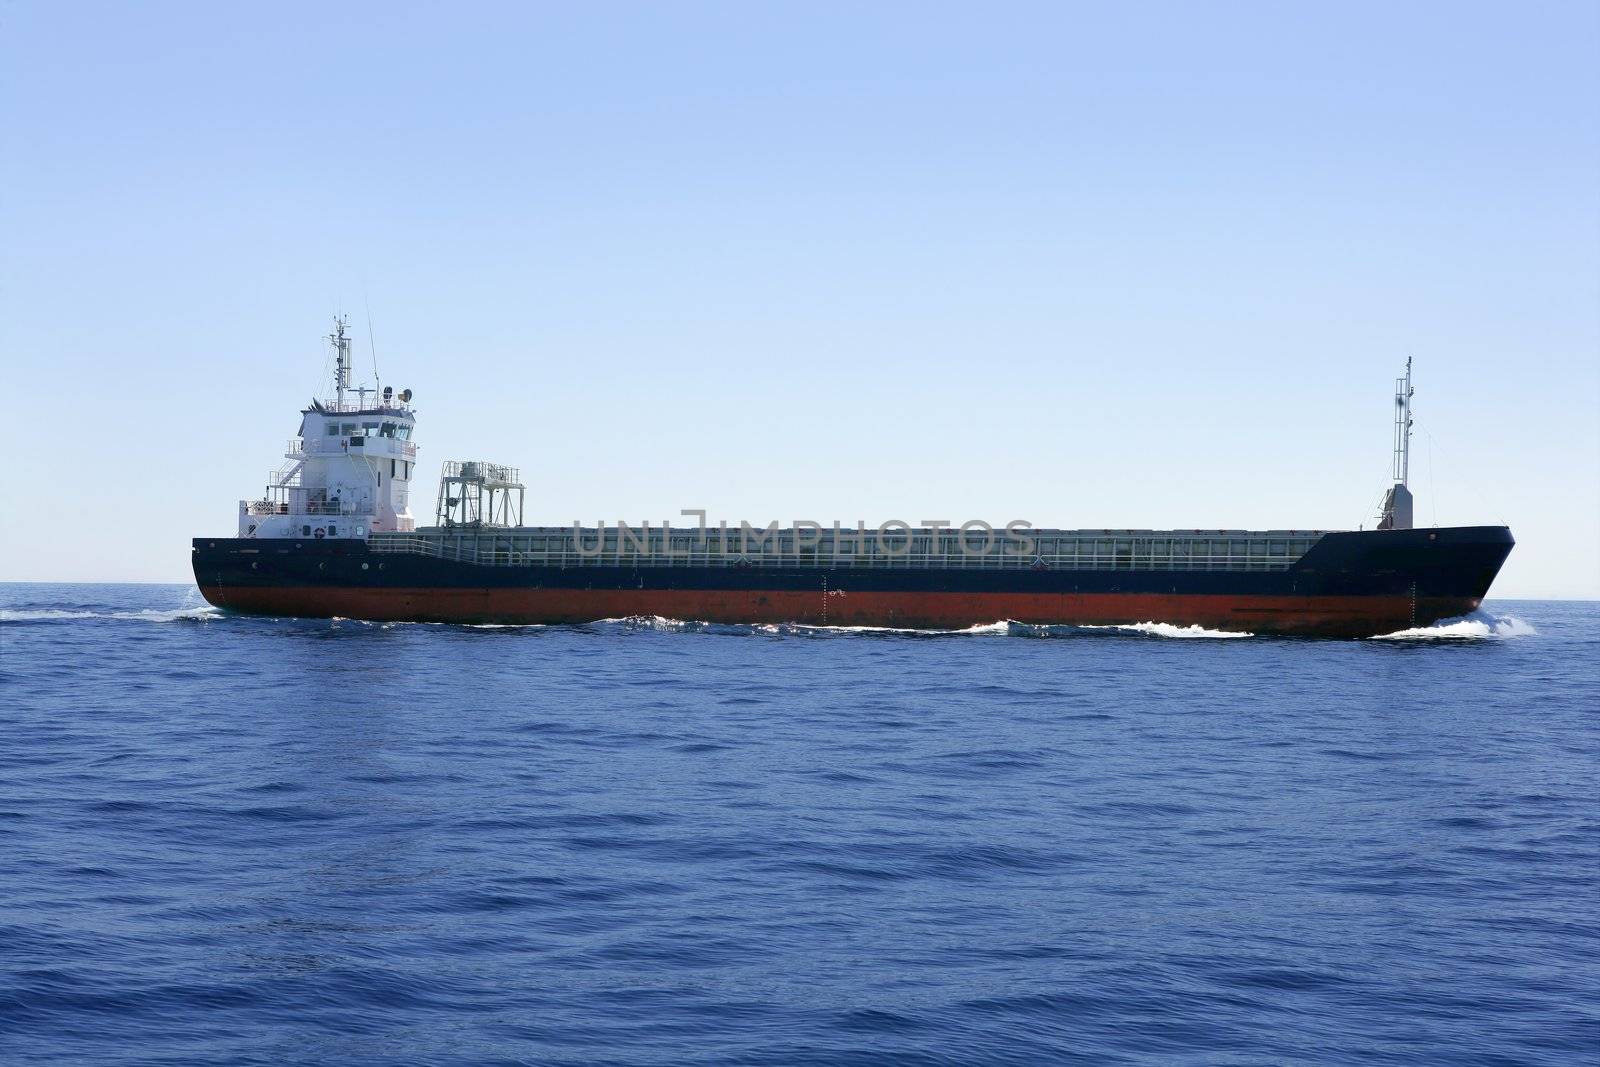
1479, 626
147, 615
1167, 629
1003, 628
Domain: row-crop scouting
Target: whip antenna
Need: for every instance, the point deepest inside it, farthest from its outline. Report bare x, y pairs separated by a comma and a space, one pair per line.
372, 342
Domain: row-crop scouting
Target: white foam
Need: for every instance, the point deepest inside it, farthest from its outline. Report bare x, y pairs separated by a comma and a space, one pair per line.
778, 629
655, 622
808, 628
180, 615
1000, 628
1167, 629
1475, 627
981, 629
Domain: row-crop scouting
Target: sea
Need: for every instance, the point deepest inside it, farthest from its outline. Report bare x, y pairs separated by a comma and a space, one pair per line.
230, 840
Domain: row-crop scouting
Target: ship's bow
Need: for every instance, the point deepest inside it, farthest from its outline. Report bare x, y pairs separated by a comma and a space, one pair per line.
1414, 577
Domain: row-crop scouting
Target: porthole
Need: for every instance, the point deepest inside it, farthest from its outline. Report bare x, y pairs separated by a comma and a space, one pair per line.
363, 566
255, 566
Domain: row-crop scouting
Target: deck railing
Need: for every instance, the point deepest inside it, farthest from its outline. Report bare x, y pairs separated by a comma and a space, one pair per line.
357, 404
310, 507
515, 551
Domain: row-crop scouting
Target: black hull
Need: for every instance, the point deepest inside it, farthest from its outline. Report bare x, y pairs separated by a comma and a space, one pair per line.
1348, 584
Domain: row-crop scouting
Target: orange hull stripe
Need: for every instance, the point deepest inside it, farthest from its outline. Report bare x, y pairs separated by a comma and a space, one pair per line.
1352, 615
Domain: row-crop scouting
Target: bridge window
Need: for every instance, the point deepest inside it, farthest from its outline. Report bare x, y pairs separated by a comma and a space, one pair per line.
387, 430
332, 429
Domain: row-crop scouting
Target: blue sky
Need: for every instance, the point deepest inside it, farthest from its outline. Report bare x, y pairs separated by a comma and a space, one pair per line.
1087, 265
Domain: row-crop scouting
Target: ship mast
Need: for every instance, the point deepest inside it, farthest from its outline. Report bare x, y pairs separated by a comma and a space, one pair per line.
1397, 503
1402, 427
341, 356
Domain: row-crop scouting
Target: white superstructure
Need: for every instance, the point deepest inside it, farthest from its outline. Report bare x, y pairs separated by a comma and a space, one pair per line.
348, 472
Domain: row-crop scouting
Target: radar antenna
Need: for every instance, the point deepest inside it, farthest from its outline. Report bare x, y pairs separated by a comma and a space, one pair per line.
1397, 503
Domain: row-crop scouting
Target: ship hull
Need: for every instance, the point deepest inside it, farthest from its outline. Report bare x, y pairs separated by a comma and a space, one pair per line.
1347, 585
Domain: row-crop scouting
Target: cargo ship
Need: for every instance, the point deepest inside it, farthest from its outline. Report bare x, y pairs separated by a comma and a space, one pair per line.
333, 536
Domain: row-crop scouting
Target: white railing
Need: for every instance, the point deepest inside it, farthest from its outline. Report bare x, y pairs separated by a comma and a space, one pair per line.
309, 507
473, 469
404, 545
352, 405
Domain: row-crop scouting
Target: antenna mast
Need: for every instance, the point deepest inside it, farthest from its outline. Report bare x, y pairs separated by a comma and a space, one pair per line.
1402, 427
1397, 502
341, 356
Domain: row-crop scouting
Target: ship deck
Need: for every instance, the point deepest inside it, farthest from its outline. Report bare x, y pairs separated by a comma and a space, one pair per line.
1096, 550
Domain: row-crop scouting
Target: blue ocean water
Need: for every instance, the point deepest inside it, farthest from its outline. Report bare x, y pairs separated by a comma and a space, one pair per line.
230, 840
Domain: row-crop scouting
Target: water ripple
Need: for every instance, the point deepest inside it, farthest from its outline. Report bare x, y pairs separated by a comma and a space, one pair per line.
647, 841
